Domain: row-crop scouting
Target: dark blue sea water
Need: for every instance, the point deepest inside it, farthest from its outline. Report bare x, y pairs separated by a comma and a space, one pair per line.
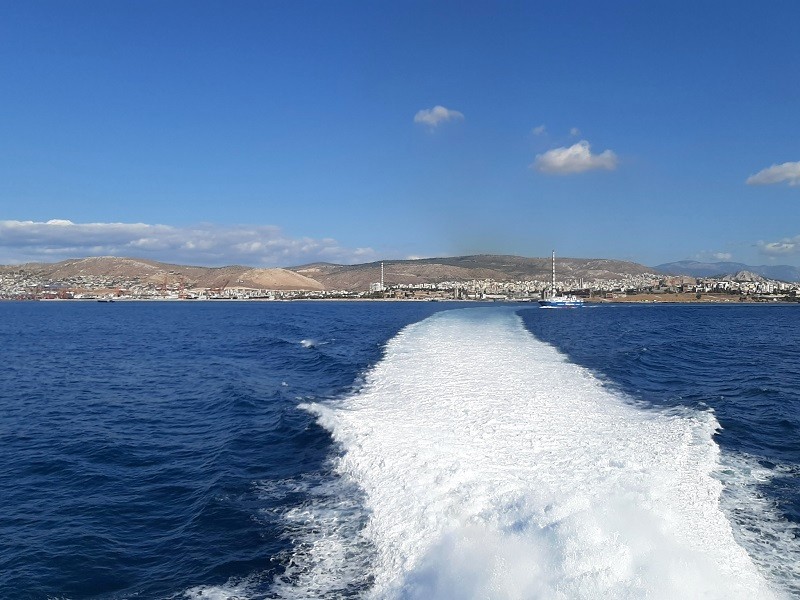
208, 450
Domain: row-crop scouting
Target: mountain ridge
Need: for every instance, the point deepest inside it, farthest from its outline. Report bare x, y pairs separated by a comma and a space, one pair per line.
332, 276
149, 271
500, 267
695, 268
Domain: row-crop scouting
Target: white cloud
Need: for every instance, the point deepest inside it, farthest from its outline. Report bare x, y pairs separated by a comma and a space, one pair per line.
436, 115
206, 244
575, 159
781, 247
417, 256
540, 130
575, 131
788, 172
707, 255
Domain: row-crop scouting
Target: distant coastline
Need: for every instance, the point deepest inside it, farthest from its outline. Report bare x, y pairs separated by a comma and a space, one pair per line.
478, 278
690, 298
664, 299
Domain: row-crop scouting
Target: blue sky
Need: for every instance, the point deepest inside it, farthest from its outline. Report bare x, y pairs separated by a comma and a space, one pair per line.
280, 133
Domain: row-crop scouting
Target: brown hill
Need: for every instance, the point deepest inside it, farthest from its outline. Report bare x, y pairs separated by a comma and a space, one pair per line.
327, 276
461, 268
150, 271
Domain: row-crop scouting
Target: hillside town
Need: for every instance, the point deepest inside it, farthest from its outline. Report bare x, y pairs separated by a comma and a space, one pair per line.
21, 284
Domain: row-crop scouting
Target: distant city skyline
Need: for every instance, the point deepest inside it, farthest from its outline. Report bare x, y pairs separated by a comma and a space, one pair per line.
283, 133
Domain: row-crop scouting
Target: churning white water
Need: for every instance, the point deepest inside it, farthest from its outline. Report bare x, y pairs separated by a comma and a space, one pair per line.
491, 467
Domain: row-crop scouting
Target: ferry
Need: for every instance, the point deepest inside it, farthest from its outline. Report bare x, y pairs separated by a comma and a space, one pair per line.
553, 301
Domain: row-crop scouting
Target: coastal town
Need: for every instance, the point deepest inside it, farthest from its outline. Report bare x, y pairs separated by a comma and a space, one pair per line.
21, 284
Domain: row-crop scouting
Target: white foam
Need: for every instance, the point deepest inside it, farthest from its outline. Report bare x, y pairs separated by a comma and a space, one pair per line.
329, 554
770, 539
229, 591
494, 468
312, 343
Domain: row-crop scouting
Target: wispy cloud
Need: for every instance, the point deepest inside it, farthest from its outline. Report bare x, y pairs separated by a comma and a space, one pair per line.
540, 130
206, 244
575, 159
781, 247
788, 172
433, 117
575, 131
416, 257
708, 255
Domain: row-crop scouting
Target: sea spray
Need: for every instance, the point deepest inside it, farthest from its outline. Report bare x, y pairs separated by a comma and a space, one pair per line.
493, 467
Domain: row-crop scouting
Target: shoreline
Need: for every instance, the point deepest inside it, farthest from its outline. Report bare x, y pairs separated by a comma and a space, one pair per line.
636, 299
686, 299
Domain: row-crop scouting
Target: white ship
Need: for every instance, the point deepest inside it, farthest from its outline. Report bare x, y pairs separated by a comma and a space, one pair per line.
554, 301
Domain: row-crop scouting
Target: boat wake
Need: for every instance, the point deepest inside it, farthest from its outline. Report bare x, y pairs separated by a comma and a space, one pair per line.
492, 467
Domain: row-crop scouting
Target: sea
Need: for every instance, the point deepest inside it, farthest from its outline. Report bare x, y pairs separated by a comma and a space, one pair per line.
398, 450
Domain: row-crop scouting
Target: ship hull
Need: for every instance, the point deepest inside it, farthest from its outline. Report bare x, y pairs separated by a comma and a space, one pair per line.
561, 303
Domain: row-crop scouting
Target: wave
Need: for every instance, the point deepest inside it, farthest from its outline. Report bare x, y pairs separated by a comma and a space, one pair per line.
490, 466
